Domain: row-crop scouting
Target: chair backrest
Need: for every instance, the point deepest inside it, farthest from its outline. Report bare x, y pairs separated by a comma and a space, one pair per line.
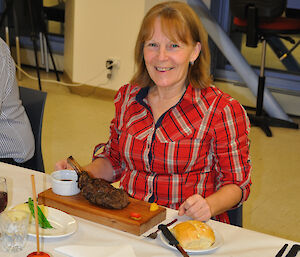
34, 103
255, 11
236, 216
265, 9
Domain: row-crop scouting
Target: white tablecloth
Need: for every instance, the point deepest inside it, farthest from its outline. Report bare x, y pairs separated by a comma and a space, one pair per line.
238, 242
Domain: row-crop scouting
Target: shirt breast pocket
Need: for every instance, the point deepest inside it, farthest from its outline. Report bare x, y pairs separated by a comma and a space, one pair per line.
184, 155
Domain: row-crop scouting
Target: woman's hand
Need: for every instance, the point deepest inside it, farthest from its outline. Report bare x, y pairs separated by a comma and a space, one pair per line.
195, 207
63, 165
203, 209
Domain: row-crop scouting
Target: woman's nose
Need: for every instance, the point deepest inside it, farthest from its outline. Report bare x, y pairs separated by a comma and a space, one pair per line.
162, 54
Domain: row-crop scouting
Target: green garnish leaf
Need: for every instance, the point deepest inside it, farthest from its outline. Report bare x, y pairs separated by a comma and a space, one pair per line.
43, 222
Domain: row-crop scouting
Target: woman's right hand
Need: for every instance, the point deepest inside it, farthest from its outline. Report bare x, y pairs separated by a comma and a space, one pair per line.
63, 165
195, 207
99, 168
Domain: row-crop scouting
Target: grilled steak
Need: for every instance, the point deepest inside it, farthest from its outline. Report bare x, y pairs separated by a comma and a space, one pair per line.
100, 192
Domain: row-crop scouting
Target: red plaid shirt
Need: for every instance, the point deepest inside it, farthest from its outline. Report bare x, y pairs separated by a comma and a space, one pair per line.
196, 147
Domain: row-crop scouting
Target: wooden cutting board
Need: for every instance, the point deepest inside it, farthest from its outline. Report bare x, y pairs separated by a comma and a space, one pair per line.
77, 205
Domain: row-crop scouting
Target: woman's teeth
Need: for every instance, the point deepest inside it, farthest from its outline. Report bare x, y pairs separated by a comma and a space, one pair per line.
163, 69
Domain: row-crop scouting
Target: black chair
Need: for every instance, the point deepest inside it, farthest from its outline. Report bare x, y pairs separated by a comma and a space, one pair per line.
34, 103
236, 216
262, 21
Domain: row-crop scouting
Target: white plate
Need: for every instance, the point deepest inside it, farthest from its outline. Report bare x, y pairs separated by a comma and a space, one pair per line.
218, 242
63, 225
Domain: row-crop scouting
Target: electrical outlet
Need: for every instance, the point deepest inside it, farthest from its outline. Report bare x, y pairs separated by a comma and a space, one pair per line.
109, 64
112, 62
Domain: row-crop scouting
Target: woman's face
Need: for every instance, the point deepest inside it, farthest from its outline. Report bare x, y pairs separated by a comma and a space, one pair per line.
167, 62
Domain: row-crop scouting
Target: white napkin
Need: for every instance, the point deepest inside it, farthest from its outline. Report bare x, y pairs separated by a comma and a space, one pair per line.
96, 251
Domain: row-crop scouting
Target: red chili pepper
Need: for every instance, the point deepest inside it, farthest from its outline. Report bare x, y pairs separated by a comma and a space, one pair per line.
135, 216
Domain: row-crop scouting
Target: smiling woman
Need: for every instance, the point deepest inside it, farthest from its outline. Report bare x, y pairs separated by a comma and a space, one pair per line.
176, 139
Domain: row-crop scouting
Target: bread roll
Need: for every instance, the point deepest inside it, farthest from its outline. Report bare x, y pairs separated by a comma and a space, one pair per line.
194, 235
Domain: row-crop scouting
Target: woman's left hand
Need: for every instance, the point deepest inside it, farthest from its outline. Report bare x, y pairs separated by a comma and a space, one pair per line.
195, 207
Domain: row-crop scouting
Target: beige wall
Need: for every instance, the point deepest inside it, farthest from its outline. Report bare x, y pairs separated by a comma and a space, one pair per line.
97, 30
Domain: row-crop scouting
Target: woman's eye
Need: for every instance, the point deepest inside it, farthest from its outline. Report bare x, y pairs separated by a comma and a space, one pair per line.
152, 44
174, 45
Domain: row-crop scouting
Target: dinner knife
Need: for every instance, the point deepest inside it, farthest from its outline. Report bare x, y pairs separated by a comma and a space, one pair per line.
172, 240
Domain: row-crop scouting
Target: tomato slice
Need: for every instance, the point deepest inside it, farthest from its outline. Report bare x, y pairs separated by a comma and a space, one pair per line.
135, 216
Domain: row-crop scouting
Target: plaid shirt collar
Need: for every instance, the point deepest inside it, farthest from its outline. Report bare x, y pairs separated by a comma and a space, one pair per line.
143, 93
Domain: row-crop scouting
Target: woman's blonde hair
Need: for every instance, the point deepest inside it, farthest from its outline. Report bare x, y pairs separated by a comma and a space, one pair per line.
180, 23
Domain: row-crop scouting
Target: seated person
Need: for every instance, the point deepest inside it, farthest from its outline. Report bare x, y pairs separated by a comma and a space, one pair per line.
16, 137
176, 139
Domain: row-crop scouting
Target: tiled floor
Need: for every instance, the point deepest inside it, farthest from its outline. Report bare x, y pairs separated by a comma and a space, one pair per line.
73, 124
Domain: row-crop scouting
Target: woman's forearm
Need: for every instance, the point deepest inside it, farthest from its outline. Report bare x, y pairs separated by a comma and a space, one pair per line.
100, 168
225, 198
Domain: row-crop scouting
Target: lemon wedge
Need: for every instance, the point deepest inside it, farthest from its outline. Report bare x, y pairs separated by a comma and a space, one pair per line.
25, 207
153, 207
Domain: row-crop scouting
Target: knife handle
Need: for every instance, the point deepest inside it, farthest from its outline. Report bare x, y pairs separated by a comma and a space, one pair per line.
75, 165
294, 250
168, 234
281, 251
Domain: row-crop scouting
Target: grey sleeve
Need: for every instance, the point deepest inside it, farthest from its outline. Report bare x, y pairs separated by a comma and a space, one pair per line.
16, 137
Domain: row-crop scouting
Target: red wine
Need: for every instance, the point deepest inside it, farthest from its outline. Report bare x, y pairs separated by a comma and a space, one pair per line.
3, 201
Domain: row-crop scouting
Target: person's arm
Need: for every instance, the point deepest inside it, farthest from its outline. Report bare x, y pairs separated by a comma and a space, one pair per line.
17, 140
100, 168
106, 162
231, 150
224, 199
203, 209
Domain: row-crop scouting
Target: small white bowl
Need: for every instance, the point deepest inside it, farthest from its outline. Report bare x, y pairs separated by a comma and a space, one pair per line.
64, 182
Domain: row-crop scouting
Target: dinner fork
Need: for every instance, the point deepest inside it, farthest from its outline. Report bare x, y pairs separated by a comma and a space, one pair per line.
153, 235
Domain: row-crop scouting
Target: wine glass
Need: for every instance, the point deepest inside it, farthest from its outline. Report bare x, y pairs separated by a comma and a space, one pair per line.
3, 194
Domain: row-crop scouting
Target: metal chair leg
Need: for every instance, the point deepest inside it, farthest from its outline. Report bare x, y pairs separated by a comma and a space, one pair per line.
46, 53
52, 59
36, 62
260, 119
42, 48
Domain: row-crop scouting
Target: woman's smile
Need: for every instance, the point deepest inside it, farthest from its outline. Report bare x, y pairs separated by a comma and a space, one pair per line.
163, 69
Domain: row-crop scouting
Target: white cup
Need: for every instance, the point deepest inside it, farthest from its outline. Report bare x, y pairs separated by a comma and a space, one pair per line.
14, 229
64, 182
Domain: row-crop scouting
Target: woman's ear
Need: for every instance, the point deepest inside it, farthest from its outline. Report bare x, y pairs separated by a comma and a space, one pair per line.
196, 52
